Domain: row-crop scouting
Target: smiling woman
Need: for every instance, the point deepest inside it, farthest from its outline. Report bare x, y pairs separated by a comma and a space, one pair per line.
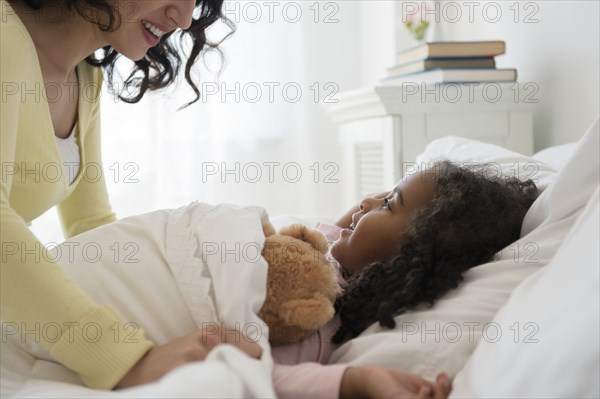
145, 32
161, 64
52, 45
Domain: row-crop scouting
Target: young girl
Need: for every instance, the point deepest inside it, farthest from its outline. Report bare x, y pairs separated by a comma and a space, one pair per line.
50, 117
402, 250
421, 238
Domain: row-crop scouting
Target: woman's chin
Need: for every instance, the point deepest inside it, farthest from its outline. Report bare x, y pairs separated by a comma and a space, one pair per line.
133, 54
136, 57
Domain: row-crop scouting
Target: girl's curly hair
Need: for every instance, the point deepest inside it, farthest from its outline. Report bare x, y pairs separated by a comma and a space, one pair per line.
471, 217
162, 63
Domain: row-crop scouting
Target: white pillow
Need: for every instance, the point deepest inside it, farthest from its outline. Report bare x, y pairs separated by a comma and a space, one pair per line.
557, 155
560, 303
494, 159
442, 338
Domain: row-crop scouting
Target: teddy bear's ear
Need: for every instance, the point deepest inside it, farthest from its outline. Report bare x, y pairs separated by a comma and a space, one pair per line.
268, 229
313, 237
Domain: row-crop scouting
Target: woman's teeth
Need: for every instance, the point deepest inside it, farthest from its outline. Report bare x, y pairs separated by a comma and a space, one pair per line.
153, 29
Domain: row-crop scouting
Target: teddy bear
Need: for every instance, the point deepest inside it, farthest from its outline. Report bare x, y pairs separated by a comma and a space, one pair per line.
301, 284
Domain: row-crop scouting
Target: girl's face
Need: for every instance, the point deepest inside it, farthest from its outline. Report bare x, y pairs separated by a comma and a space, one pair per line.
377, 228
143, 22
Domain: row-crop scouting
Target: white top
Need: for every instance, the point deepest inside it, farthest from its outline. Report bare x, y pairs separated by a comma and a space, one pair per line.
69, 152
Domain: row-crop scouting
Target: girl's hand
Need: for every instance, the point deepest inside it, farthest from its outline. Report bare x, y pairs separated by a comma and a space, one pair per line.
193, 347
379, 382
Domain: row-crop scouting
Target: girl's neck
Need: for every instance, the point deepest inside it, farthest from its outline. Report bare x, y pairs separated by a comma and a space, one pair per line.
61, 36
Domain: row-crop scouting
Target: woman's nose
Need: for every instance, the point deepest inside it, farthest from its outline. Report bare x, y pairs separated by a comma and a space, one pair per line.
181, 12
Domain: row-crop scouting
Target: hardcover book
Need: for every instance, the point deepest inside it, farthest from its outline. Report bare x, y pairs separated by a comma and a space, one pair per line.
452, 50
455, 76
434, 63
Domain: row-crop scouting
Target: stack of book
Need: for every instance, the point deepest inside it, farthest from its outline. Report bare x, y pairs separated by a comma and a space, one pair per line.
447, 62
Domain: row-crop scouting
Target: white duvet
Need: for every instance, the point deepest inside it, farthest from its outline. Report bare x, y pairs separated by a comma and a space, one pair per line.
167, 272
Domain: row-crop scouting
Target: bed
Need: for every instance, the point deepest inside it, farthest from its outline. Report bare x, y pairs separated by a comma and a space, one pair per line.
524, 325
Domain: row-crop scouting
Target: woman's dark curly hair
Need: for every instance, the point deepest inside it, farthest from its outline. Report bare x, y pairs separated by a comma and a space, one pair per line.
162, 63
471, 217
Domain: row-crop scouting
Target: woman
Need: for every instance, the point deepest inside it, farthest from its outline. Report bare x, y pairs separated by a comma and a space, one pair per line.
50, 155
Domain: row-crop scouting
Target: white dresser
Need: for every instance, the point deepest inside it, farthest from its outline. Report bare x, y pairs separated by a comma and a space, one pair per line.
384, 128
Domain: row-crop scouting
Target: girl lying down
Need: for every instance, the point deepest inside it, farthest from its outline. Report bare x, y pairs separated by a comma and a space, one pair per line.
399, 251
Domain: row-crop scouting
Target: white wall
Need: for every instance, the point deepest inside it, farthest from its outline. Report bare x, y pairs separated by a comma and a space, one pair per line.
377, 45
557, 49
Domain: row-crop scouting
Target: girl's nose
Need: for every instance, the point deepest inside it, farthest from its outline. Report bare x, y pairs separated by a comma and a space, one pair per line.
369, 203
180, 13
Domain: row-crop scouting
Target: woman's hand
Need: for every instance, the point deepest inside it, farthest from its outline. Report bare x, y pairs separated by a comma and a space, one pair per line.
193, 347
379, 382
235, 338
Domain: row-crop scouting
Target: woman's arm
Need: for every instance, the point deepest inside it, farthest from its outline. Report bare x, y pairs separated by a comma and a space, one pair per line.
36, 292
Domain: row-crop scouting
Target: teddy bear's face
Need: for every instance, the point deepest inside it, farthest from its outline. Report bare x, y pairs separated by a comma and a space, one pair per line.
301, 284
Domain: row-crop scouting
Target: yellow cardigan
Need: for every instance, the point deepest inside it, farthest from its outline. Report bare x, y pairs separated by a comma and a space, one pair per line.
36, 293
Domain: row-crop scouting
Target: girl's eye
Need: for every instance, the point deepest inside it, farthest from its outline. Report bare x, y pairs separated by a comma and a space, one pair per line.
386, 203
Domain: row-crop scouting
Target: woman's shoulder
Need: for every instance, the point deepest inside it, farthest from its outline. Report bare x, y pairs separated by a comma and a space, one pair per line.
90, 82
15, 41
11, 25
91, 77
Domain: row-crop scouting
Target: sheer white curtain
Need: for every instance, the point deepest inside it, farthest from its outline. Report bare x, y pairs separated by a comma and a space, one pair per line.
259, 134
